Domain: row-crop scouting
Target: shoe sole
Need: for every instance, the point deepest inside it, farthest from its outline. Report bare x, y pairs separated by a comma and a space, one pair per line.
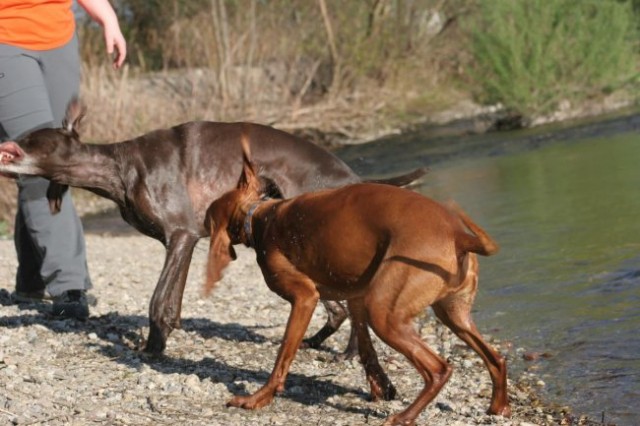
24, 298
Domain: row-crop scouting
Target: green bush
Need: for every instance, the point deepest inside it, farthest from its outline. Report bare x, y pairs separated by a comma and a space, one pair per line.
531, 54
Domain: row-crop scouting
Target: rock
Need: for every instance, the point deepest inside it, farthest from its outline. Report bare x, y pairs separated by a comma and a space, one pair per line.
444, 407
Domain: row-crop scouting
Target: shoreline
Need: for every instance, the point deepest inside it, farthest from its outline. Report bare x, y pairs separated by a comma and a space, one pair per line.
468, 119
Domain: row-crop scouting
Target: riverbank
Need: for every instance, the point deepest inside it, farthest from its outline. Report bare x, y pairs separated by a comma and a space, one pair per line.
65, 372
464, 119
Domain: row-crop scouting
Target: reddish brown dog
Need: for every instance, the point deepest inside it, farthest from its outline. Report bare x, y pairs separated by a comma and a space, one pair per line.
389, 252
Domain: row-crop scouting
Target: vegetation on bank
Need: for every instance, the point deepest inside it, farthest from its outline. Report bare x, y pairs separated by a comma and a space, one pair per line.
532, 55
354, 68
329, 63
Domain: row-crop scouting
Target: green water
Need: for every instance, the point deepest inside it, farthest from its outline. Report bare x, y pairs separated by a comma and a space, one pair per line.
567, 279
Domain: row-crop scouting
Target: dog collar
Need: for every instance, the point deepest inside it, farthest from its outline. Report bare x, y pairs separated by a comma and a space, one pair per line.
248, 231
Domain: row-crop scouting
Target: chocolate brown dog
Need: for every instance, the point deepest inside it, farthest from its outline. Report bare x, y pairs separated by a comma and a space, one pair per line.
389, 252
164, 181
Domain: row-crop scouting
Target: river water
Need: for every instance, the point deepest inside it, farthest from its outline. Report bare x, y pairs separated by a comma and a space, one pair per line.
564, 204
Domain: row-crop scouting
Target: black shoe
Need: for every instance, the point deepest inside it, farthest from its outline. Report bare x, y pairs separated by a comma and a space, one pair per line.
71, 304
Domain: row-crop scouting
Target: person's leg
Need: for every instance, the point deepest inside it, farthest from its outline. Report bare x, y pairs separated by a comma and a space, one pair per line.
61, 70
57, 239
24, 106
51, 249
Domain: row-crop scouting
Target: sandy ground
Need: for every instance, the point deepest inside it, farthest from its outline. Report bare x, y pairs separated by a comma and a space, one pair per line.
64, 372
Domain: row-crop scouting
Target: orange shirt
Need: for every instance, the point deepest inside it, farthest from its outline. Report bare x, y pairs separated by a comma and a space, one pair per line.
36, 24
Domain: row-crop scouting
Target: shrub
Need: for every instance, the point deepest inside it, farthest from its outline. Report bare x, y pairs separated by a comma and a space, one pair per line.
531, 54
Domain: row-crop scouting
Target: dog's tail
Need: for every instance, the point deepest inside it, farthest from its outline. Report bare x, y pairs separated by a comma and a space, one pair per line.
407, 179
480, 242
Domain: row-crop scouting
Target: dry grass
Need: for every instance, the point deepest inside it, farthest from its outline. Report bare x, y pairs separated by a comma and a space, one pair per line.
129, 103
321, 64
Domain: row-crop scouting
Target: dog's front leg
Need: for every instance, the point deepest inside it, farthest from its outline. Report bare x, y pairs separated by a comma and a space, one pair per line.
303, 297
166, 303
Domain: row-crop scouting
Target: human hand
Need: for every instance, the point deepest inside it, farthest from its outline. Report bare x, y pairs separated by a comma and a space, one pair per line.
102, 12
115, 43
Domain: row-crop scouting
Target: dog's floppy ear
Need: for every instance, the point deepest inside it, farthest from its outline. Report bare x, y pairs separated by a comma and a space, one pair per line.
74, 115
55, 191
221, 253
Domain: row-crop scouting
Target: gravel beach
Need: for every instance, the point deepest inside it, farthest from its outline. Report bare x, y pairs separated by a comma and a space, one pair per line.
65, 372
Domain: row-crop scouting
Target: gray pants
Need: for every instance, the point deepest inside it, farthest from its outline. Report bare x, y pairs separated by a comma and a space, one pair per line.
35, 87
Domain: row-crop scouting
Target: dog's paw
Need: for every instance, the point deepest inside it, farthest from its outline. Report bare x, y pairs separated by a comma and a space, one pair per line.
251, 402
382, 389
399, 420
390, 392
310, 343
504, 411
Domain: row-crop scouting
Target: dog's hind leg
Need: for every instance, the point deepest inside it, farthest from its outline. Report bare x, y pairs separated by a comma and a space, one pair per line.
455, 312
434, 370
395, 297
381, 386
